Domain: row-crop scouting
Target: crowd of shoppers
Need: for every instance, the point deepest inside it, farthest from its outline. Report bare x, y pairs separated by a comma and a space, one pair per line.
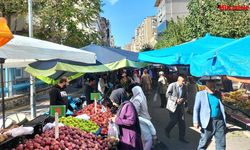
130, 97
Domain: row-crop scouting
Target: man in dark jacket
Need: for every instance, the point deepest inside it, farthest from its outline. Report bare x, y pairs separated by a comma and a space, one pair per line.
88, 89
58, 95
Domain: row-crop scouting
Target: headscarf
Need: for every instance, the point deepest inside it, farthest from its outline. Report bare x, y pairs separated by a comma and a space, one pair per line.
138, 93
119, 95
138, 96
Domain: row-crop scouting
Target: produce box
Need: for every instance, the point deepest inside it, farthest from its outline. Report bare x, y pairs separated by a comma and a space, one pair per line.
38, 123
11, 142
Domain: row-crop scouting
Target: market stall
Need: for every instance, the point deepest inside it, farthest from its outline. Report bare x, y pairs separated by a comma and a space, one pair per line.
232, 60
86, 129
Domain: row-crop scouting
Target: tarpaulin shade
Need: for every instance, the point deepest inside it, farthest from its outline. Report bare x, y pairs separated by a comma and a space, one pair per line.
232, 59
5, 33
108, 59
22, 47
183, 53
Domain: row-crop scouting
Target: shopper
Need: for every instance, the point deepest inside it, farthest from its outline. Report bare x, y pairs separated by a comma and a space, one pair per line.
58, 94
102, 84
140, 102
119, 95
209, 114
177, 96
148, 133
191, 92
126, 80
88, 89
136, 77
146, 82
162, 88
129, 127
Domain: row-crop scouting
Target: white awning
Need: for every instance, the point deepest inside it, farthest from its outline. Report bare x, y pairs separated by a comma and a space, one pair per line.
23, 48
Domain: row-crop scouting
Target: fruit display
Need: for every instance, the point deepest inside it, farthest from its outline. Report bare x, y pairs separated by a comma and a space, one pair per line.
69, 138
85, 125
238, 98
101, 117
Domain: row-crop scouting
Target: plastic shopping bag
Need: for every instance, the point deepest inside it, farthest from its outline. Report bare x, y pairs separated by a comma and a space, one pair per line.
155, 97
21, 131
113, 130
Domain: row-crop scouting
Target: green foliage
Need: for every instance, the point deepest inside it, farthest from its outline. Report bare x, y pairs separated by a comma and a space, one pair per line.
13, 7
204, 17
68, 22
176, 33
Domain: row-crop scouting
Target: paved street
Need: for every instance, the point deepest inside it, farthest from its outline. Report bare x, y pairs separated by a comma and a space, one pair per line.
236, 139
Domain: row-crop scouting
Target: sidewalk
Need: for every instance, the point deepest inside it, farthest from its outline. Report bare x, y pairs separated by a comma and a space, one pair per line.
236, 139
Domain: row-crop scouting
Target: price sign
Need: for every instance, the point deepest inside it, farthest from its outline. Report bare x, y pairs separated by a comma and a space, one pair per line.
60, 109
95, 96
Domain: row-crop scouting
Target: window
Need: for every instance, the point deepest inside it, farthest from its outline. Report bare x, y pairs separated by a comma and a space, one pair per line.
18, 73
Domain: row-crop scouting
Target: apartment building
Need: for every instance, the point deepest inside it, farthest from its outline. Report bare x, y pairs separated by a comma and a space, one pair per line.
169, 9
145, 33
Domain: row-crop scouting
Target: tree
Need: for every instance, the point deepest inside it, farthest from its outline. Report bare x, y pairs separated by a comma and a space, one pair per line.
176, 33
69, 22
9, 8
204, 17
146, 47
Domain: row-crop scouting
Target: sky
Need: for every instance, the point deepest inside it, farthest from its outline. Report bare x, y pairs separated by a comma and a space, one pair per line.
125, 16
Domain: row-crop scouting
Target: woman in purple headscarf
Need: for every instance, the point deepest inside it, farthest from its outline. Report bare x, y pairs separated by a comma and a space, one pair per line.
129, 127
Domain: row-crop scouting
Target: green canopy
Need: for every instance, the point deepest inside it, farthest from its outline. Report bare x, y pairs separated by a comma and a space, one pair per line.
108, 59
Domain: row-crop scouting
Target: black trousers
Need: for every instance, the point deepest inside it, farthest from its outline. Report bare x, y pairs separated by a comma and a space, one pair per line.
177, 117
163, 100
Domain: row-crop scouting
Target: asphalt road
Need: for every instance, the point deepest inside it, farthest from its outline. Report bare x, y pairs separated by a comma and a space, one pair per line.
236, 138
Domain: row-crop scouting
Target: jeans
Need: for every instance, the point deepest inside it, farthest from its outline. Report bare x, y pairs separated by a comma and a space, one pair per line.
177, 117
216, 128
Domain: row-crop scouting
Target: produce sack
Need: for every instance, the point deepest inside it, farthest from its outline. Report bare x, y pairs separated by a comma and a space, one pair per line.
113, 130
21, 131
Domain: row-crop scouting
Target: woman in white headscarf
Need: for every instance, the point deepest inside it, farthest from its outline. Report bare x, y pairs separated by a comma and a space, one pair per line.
140, 102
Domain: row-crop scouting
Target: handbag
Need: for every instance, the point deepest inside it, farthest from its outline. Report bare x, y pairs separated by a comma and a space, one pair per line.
171, 104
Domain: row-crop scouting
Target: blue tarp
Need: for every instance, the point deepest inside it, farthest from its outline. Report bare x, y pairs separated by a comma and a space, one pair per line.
232, 59
183, 53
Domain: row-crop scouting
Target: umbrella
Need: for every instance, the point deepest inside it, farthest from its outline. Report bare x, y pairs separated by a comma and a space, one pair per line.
182, 54
232, 59
5, 33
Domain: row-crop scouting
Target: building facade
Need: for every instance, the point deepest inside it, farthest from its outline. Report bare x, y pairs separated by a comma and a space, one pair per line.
145, 33
169, 9
105, 31
112, 41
